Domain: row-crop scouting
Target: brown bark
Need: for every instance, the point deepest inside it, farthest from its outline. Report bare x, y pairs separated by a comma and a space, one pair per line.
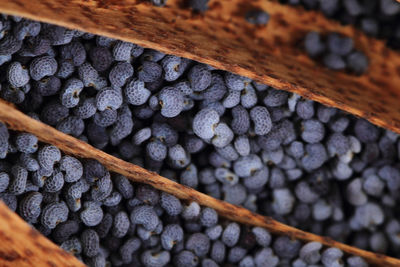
221, 38
16, 120
23, 246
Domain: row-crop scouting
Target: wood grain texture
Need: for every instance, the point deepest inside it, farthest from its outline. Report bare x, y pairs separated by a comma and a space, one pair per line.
21, 245
222, 38
16, 120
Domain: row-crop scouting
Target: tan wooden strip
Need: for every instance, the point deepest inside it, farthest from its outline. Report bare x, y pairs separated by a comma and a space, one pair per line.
23, 246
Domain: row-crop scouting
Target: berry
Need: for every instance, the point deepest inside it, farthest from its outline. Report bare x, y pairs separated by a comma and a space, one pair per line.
29, 207
53, 113
241, 120
73, 246
310, 252
102, 188
204, 123
88, 74
305, 109
232, 99
198, 243
170, 204
334, 61
71, 125
41, 67
214, 232
283, 201
75, 52
155, 258
108, 98
189, 176
92, 214
4, 181
313, 44
231, 234
262, 236
276, 98
156, 150
332, 256
105, 118
86, 109
223, 135
357, 62
339, 45
266, 257
218, 251
48, 155
261, 119
171, 101
54, 183
171, 235
208, 217
199, 5
104, 227
70, 92
356, 261
123, 186
315, 156
90, 243
257, 17
313, 131
149, 71
136, 93
65, 70
101, 58
284, 247
123, 126
17, 75
19, 179
235, 82
199, 77
65, 230
9, 45
186, 258
246, 166
120, 73
258, 179
26, 143
236, 254
122, 51
121, 224
53, 214
128, 248
146, 216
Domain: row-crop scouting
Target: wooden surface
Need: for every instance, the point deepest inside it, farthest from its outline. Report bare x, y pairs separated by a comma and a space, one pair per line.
21, 245
18, 121
224, 40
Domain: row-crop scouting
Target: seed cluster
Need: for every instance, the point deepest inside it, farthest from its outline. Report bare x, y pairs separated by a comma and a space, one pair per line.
310, 166
223, 134
106, 220
337, 52
377, 18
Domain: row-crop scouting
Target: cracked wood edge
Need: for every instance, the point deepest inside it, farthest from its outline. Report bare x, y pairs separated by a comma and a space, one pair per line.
23, 246
221, 38
18, 121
